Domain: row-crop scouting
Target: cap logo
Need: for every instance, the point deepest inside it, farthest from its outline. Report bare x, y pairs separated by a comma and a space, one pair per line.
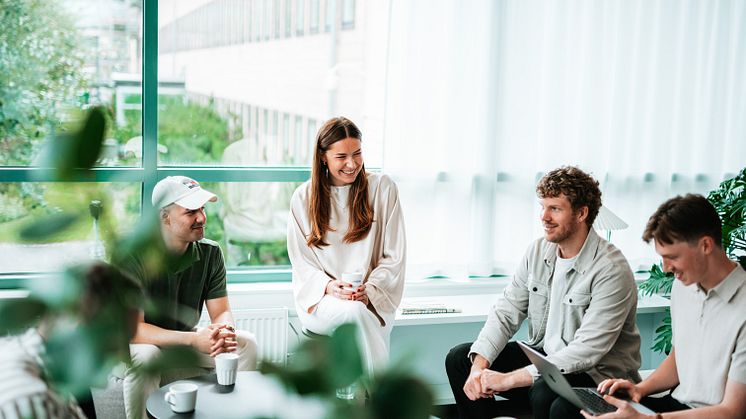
190, 183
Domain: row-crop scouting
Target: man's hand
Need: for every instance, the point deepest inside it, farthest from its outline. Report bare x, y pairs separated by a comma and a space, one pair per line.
624, 410
224, 340
203, 339
495, 382
616, 385
473, 385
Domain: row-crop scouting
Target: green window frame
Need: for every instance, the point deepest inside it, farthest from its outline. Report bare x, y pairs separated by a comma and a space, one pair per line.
150, 172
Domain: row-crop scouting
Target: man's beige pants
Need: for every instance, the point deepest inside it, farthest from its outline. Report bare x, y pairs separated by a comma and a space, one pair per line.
137, 388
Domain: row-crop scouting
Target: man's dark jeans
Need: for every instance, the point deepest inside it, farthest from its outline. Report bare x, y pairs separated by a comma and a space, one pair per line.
539, 397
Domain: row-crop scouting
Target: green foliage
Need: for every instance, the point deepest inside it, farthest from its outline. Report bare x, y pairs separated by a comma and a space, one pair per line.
400, 396
664, 335
729, 200
17, 315
79, 354
320, 366
69, 150
40, 74
192, 133
659, 282
48, 226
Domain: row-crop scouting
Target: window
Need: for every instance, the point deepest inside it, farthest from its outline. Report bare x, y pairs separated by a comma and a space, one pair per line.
267, 19
300, 17
277, 19
22, 202
242, 116
227, 108
330, 10
288, 18
348, 14
313, 19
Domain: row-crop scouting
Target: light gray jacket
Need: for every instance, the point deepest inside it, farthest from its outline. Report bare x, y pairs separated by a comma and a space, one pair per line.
599, 307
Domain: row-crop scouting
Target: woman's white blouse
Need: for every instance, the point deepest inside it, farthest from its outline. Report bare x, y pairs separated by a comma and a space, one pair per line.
380, 256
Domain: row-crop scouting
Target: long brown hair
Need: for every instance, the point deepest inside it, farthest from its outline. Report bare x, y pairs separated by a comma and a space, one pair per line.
361, 212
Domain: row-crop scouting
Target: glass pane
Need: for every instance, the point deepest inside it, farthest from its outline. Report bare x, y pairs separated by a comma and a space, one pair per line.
23, 203
331, 11
227, 92
313, 19
288, 18
60, 57
277, 19
249, 220
300, 17
348, 14
267, 19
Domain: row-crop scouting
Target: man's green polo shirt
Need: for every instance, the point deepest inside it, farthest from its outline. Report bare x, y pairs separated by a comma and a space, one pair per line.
176, 297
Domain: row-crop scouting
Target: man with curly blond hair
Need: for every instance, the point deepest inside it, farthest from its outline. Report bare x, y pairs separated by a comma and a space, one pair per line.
579, 296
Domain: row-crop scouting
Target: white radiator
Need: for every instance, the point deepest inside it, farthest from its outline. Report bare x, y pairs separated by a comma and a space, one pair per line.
269, 325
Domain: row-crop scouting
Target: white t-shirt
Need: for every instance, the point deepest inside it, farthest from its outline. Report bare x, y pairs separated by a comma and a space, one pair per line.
553, 337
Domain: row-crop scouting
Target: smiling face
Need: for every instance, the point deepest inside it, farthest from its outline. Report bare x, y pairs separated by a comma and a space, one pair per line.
181, 226
344, 160
561, 224
686, 261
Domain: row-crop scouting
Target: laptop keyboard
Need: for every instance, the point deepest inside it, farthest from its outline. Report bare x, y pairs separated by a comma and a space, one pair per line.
593, 401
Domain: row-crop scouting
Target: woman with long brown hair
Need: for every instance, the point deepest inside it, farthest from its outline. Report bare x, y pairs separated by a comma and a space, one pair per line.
345, 220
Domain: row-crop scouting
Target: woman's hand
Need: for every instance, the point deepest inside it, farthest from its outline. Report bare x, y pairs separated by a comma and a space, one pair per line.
339, 289
360, 294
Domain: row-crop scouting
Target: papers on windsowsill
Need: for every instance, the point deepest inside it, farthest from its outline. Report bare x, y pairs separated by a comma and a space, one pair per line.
429, 308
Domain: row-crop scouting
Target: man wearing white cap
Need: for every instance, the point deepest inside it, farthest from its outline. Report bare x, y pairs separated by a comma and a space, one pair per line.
195, 278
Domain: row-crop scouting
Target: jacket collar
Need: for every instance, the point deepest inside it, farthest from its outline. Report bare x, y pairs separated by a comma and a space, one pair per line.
585, 258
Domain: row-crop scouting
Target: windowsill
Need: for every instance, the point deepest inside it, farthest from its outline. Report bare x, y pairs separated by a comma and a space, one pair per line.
412, 288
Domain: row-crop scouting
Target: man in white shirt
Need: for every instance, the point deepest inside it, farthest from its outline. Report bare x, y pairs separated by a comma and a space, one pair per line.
707, 366
579, 297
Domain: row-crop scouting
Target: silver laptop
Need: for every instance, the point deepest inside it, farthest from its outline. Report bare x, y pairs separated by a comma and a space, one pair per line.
584, 398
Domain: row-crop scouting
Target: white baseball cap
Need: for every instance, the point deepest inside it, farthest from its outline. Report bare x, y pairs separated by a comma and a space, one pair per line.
182, 191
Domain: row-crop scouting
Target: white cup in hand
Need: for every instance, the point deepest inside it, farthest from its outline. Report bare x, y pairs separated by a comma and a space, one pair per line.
354, 279
182, 397
226, 365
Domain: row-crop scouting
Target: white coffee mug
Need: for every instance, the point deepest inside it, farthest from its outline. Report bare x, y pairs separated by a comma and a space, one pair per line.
353, 278
182, 397
226, 365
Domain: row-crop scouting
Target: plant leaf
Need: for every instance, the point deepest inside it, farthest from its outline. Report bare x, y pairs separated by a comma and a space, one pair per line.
346, 355
171, 357
48, 226
17, 315
67, 151
89, 140
399, 396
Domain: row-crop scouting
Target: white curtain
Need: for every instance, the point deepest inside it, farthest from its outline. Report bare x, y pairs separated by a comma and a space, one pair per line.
483, 97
